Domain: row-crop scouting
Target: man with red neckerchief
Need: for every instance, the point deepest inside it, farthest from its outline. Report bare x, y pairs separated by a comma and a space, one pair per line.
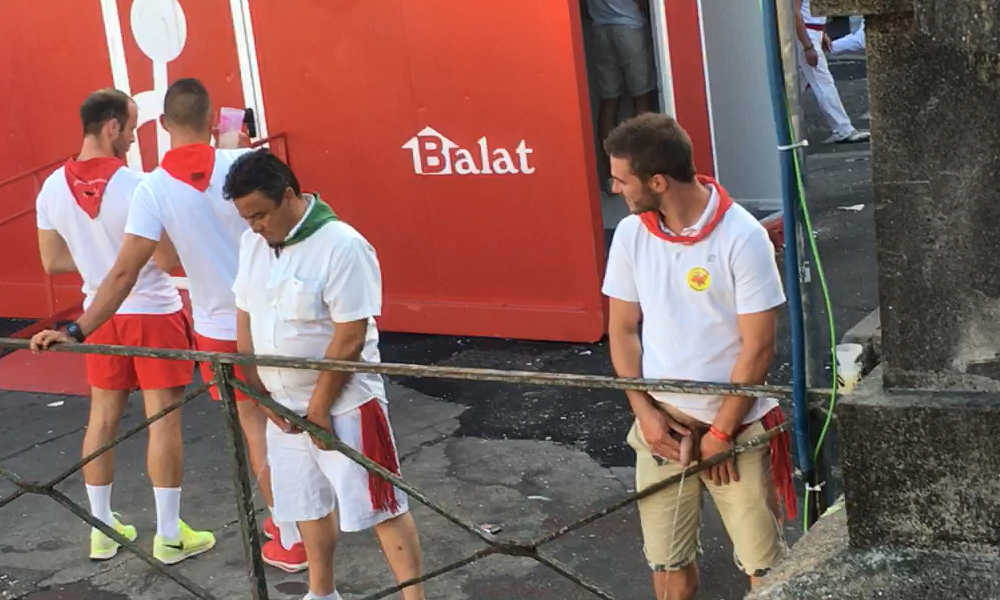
81, 211
694, 292
183, 197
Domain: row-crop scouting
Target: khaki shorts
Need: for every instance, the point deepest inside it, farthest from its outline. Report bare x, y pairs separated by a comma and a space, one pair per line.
747, 507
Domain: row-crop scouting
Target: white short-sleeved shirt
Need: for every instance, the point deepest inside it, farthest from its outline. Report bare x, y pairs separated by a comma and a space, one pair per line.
205, 228
94, 243
295, 298
691, 297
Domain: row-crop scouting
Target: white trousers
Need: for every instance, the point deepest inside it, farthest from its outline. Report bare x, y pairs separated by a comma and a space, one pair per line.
852, 43
824, 88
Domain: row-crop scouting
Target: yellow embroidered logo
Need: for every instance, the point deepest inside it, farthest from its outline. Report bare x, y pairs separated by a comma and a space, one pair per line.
699, 279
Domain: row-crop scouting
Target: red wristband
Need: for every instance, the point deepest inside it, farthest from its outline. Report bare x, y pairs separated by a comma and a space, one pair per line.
720, 435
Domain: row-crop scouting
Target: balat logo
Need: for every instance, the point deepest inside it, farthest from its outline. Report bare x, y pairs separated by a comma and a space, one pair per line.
434, 154
699, 279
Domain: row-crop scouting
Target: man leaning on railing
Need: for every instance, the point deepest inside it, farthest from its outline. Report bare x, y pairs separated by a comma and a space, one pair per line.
309, 285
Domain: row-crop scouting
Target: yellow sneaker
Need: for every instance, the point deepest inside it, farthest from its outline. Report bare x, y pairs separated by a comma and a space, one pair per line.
102, 547
188, 543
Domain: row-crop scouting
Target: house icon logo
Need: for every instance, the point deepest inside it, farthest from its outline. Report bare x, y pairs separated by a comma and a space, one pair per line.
435, 154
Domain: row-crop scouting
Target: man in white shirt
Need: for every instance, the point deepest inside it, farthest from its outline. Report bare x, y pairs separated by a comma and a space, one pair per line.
694, 292
815, 72
183, 197
309, 285
81, 211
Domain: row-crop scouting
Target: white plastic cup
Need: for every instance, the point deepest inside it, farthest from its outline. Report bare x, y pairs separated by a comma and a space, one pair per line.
230, 126
848, 366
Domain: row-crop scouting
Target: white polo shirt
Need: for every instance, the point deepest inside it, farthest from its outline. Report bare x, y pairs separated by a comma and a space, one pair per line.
205, 228
691, 297
94, 243
295, 298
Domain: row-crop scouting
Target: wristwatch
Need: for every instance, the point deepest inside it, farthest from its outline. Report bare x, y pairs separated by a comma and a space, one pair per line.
75, 332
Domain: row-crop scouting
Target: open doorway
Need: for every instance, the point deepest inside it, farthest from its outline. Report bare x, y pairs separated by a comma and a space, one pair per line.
623, 77
710, 74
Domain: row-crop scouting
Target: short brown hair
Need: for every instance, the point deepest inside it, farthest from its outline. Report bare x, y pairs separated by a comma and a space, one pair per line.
100, 107
653, 144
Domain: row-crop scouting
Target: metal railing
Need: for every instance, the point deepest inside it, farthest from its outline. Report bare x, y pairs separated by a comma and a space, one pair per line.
226, 382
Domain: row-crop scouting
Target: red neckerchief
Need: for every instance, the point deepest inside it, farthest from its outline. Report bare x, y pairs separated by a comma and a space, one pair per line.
651, 219
191, 164
88, 178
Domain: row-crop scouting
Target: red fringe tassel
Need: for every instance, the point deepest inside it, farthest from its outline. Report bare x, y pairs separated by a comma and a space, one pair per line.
781, 464
376, 443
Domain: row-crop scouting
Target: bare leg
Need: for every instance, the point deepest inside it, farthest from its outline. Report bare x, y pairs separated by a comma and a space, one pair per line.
676, 585
254, 424
645, 103
106, 408
320, 539
401, 546
607, 118
165, 453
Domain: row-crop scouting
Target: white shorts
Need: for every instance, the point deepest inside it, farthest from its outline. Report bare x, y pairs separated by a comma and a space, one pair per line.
309, 483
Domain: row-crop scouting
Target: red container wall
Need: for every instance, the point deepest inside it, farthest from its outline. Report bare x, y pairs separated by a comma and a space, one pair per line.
511, 255
50, 59
513, 251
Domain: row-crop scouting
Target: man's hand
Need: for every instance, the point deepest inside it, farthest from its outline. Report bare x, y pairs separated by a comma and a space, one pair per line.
43, 339
322, 420
812, 57
281, 422
242, 139
656, 426
724, 472
827, 43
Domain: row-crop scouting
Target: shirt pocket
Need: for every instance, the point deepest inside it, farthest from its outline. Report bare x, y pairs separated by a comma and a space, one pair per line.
300, 300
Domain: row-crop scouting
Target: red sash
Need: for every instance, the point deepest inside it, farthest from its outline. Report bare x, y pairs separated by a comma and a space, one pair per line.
376, 444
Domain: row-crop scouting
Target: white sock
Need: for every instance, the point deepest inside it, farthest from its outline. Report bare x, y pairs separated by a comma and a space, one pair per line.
100, 503
168, 512
334, 596
288, 531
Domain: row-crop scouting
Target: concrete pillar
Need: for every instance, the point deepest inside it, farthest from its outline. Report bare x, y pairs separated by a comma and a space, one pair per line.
921, 437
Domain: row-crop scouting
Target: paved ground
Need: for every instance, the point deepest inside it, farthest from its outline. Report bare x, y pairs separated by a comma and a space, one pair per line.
524, 457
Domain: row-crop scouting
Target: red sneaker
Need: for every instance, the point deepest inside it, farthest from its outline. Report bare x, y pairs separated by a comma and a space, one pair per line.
270, 529
290, 561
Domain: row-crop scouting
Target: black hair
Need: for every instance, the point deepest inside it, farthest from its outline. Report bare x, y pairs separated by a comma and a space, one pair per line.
102, 106
259, 171
186, 103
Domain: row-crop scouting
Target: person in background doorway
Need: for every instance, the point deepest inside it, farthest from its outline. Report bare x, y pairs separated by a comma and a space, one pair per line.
622, 50
816, 73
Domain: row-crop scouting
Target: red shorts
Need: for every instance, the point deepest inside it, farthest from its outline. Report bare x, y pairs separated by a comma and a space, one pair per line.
129, 372
207, 344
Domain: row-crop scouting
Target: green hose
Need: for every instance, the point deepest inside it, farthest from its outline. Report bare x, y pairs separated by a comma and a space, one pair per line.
829, 314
